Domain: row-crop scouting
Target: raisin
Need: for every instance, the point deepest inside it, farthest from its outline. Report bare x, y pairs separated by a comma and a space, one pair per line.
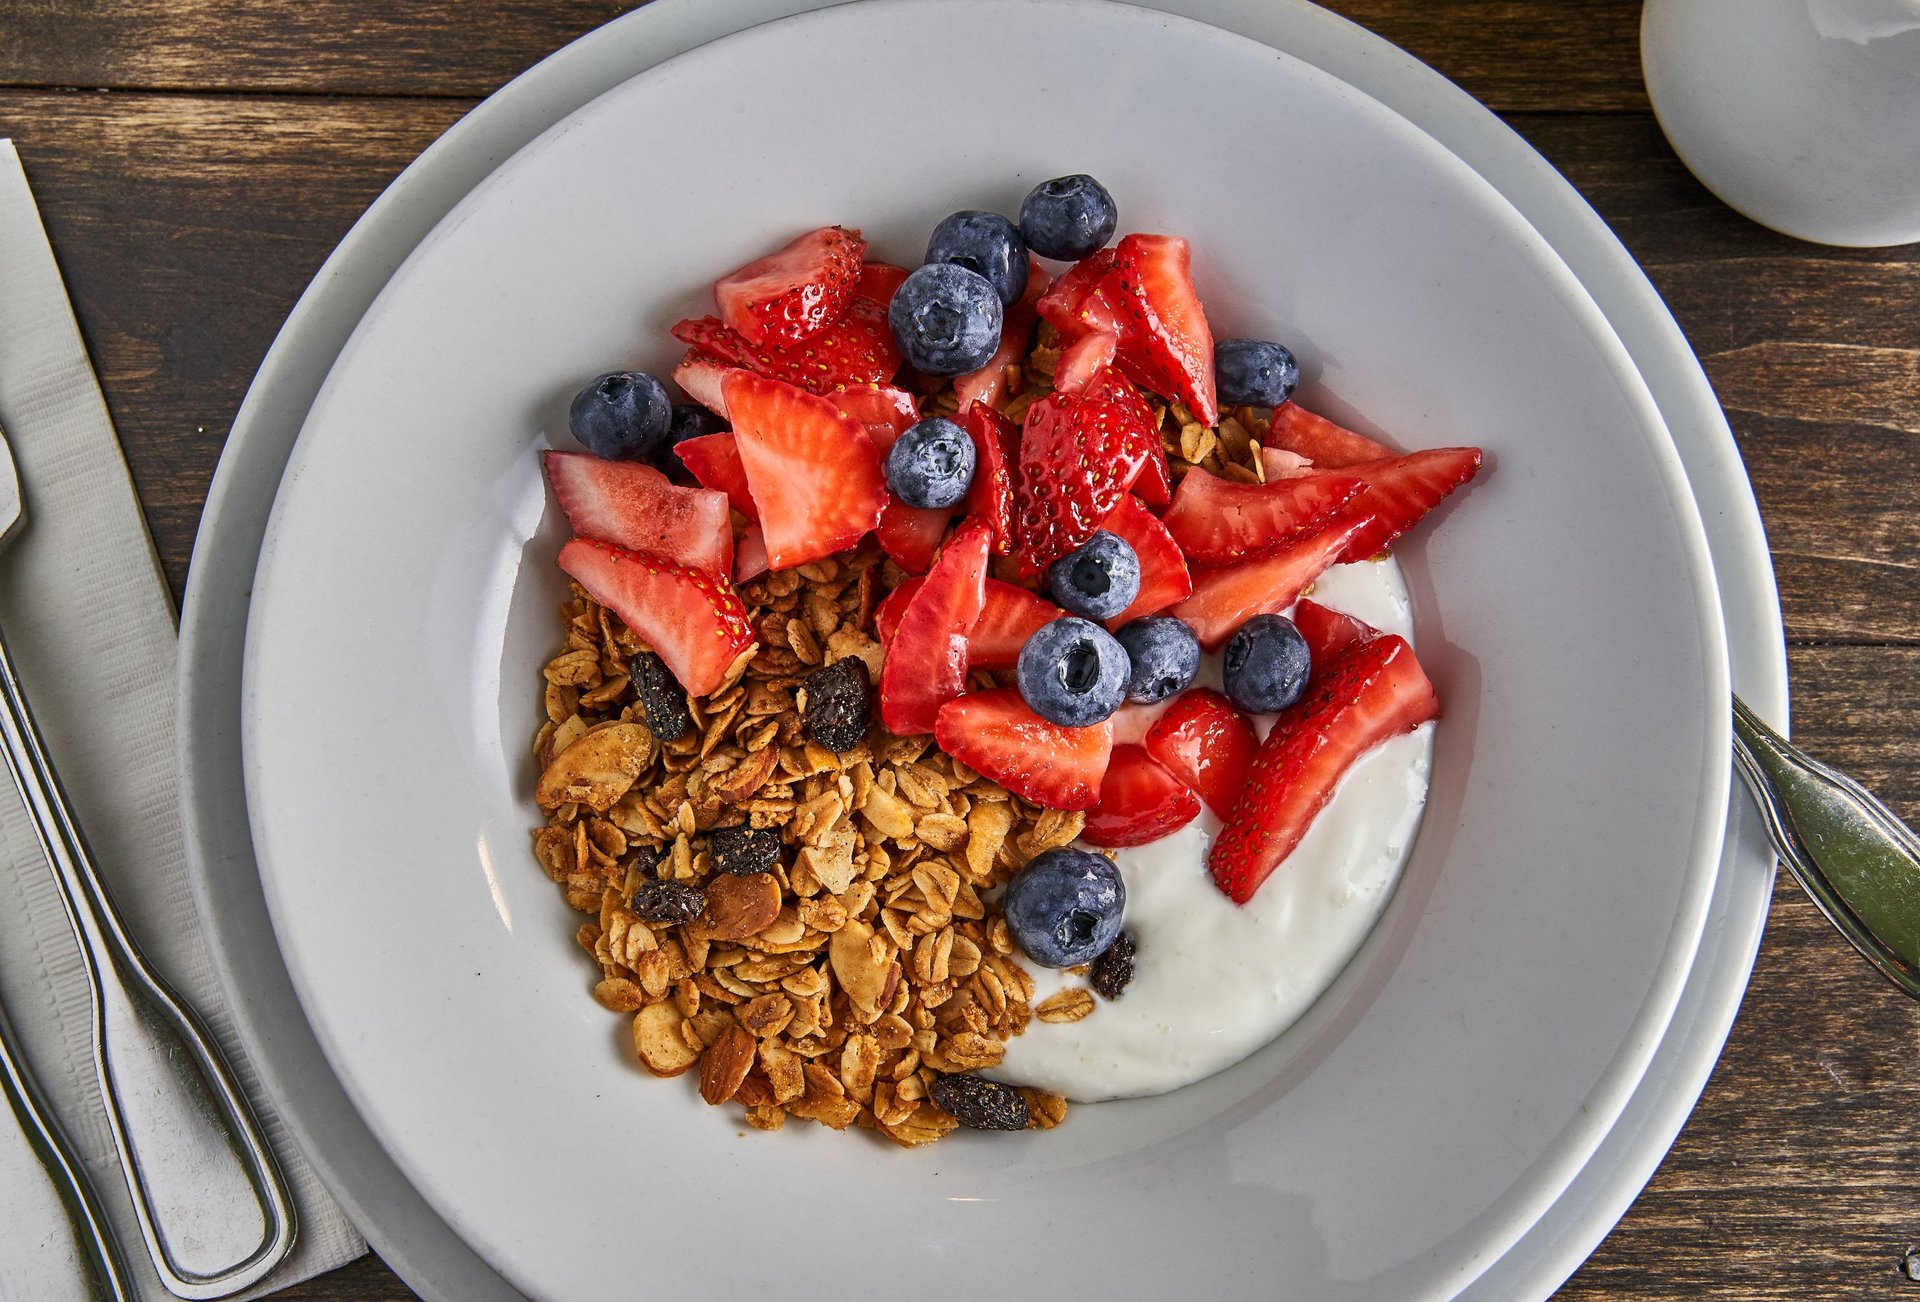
839, 704
1114, 968
981, 1103
744, 851
668, 902
661, 696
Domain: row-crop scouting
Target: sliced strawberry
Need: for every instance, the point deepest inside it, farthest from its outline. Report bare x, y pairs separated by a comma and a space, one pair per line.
997, 735
1082, 359
1219, 522
1163, 570
1139, 802
886, 616
911, 534
856, 349
792, 295
882, 410
996, 446
634, 507
813, 472
1077, 302
1154, 486
750, 558
1319, 440
877, 282
1078, 454
694, 623
989, 383
1166, 345
699, 377
1375, 691
1278, 464
926, 663
1206, 743
1399, 492
1328, 632
714, 460
1225, 599
1008, 617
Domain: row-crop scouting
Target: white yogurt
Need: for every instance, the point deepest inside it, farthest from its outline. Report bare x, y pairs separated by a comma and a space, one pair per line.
1213, 980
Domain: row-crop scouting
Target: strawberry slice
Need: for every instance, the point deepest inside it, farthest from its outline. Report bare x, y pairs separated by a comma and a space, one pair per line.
882, 410
1139, 802
1163, 570
693, 622
792, 295
1077, 303
1008, 617
1328, 633
886, 616
911, 534
1207, 744
996, 446
813, 472
856, 349
1319, 440
877, 282
699, 377
1225, 599
750, 558
1078, 454
635, 508
1082, 359
1166, 345
1399, 492
989, 383
926, 663
1219, 522
1278, 464
1375, 691
1154, 486
714, 460
996, 734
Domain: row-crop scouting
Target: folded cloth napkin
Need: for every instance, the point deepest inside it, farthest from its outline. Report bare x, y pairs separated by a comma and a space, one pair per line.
92, 630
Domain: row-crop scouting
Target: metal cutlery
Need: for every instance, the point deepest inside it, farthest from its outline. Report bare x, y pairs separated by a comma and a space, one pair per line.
213, 1208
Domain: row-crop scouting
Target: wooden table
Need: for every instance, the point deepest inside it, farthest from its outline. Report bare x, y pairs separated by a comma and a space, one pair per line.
195, 160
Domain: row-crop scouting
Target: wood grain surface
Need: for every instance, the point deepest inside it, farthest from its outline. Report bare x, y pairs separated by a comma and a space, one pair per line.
196, 161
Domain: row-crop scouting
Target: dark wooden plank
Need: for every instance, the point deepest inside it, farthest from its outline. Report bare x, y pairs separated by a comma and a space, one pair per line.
186, 228
1793, 1179
1511, 53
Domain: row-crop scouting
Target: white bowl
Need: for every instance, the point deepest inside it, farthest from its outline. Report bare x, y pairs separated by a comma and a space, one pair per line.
1424, 1112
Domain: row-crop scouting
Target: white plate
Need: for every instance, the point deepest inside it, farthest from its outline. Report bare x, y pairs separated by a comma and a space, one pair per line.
1491, 1030
409, 1235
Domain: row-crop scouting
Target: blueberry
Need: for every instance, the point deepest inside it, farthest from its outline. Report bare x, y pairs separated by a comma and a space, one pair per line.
1165, 655
622, 416
1098, 579
1064, 907
987, 243
946, 319
1266, 665
931, 464
1253, 373
1068, 217
1072, 672
691, 421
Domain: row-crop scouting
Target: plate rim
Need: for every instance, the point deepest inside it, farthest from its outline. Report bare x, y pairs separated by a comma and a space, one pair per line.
392, 200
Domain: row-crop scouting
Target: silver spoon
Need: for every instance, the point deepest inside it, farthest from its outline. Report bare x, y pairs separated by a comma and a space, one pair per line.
1856, 860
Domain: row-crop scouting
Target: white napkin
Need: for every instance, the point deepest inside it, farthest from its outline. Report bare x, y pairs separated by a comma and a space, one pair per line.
92, 630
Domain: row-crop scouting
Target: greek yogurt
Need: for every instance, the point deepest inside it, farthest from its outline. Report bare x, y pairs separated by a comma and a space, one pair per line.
1213, 980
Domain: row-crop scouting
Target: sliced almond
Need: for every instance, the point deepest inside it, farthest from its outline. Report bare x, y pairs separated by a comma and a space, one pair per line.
657, 1039
725, 1064
738, 907
597, 769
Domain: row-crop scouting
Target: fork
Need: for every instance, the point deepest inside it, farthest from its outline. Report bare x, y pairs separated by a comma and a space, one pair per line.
213, 1207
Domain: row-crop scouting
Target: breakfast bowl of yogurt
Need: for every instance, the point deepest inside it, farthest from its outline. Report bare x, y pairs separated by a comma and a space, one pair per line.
1365, 1073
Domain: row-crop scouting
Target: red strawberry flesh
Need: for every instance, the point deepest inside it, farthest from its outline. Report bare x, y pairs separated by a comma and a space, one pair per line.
693, 622
634, 507
814, 474
856, 349
1219, 522
1008, 617
700, 376
1224, 599
989, 383
1139, 802
714, 460
1319, 440
789, 296
996, 445
1082, 359
1375, 691
997, 734
1078, 454
886, 616
1328, 633
1208, 744
1166, 345
926, 663
1398, 493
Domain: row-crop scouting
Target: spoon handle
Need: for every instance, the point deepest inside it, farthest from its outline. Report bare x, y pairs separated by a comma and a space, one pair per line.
1857, 861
